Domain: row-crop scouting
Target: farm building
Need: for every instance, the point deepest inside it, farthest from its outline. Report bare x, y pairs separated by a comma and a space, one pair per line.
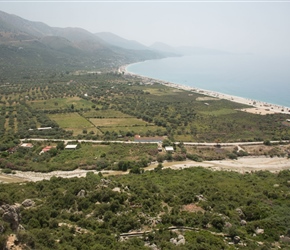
45, 128
169, 149
71, 146
46, 149
27, 145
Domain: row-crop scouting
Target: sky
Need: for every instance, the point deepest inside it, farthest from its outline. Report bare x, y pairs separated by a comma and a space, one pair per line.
244, 26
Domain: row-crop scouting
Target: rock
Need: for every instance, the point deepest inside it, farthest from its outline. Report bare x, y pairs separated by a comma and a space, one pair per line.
117, 189
259, 231
153, 247
285, 239
173, 241
243, 223
237, 239
105, 181
11, 215
240, 212
81, 193
180, 237
180, 242
28, 203
2, 228
228, 224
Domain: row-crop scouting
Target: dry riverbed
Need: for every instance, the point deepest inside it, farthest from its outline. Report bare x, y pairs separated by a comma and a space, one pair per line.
242, 165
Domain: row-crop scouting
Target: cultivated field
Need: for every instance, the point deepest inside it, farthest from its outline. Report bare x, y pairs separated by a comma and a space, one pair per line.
61, 103
74, 122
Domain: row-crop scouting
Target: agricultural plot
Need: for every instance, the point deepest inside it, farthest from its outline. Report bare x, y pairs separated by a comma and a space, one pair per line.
61, 103
109, 113
141, 130
118, 122
73, 122
219, 112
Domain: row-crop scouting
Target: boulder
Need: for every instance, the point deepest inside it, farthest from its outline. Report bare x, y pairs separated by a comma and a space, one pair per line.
228, 224
11, 215
240, 212
237, 239
173, 241
28, 203
2, 228
180, 242
81, 193
243, 223
259, 231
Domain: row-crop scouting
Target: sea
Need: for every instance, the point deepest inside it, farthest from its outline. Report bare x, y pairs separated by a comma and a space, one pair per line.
260, 78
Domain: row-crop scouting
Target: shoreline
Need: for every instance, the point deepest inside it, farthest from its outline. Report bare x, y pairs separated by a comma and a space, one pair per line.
258, 107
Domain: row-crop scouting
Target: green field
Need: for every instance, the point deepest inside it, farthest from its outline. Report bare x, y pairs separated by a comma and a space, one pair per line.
74, 122
109, 113
61, 103
219, 112
116, 122
136, 130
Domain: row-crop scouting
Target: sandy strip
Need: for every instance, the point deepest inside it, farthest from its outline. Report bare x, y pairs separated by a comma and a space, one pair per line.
241, 165
261, 108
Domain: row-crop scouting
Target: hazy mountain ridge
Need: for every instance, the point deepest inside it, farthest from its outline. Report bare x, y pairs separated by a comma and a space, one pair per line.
34, 45
120, 42
187, 50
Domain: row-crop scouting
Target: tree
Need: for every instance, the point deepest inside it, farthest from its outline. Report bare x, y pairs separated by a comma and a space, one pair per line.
60, 145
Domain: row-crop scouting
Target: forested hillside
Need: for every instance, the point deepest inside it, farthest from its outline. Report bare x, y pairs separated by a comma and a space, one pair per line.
187, 209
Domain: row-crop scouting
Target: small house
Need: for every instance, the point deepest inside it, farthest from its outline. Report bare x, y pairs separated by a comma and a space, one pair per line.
46, 149
26, 145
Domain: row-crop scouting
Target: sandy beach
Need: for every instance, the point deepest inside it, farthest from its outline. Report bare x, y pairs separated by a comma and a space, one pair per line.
258, 107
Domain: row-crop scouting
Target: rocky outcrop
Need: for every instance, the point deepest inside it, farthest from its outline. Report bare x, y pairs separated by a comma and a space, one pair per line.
243, 222
81, 193
28, 203
237, 239
180, 240
259, 231
11, 215
2, 229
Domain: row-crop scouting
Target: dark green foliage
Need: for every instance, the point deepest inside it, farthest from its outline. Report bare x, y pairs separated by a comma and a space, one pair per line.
154, 200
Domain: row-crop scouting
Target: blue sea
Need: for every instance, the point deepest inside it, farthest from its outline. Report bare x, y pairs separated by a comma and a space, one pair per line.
261, 78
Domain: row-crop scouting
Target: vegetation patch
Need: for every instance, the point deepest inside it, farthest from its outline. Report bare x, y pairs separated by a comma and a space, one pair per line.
219, 112
74, 122
108, 113
115, 122
61, 103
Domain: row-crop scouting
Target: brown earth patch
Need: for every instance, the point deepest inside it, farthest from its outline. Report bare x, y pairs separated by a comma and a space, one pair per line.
192, 208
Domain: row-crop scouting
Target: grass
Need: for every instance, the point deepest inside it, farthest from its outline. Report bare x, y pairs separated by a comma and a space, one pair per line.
74, 122
134, 129
219, 112
118, 122
61, 103
109, 113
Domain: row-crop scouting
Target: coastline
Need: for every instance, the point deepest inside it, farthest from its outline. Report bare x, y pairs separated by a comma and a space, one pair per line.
258, 107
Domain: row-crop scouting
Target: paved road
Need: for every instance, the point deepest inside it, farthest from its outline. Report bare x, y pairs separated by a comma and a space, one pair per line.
136, 142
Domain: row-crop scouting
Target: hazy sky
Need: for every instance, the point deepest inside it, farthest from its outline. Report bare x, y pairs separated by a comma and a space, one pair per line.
254, 27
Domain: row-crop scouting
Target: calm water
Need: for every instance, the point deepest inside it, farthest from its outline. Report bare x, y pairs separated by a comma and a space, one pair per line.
260, 78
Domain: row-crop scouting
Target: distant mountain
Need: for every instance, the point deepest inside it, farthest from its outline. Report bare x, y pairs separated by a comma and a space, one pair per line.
164, 48
36, 46
120, 42
186, 50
